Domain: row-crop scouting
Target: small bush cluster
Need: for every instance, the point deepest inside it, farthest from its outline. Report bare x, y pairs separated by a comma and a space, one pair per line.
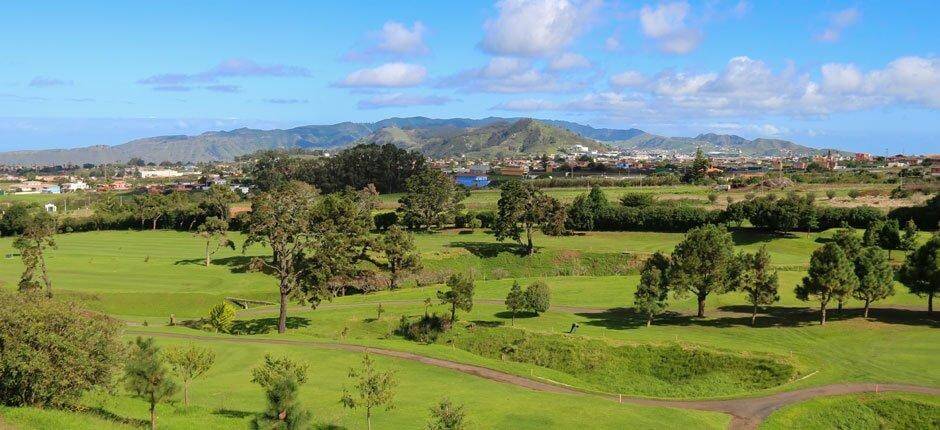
426, 329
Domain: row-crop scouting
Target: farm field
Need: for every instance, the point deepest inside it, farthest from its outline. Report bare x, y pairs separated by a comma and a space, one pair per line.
145, 276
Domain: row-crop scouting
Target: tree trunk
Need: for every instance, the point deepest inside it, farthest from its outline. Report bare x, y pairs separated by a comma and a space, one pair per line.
208, 258
867, 302
45, 276
754, 316
153, 416
369, 419
282, 315
841, 304
701, 305
186, 394
512, 322
649, 320
528, 233
822, 313
453, 312
930, 303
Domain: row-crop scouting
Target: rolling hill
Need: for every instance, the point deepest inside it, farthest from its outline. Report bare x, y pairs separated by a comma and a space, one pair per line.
485, 137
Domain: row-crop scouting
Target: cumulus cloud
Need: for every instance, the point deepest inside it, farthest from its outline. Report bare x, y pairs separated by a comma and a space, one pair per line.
569, 61
395, 39
399, 39
838, 22
45, 81
401, 100
535, 28
667, 25
750, 88
395, 74
611, 44
507, 75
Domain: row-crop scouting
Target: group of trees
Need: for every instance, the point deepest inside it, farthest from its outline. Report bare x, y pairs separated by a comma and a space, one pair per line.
386, 167
703, 264
536, 298
317, 242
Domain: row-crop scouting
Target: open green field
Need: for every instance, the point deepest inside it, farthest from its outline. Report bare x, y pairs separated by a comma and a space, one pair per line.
158, 273
226, 399
145, 276
860, 412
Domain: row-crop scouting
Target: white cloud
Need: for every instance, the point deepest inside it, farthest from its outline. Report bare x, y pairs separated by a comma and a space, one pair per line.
666, 24
750, 88
611, 44
397, 38
838, 22
387, 75
533, 28
569, 61
401, 100
506, 75
630, 78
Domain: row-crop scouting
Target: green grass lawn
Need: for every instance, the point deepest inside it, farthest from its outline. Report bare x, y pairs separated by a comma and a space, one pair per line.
156, 273
226, 399
860, 412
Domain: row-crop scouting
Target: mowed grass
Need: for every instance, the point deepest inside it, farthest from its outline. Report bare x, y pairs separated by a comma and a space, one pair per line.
893, 346
860, 412
158, 273
225, 399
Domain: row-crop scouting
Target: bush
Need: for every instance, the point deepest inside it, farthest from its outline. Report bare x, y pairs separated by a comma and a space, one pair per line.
858, 217
462, 220
654, 218
901, 193
427, 329
854, 194
927, 216
637, 200
222, 317
487, 218
831, 194
50, 352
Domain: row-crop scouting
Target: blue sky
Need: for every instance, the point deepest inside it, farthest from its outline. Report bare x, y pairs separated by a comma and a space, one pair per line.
854, 75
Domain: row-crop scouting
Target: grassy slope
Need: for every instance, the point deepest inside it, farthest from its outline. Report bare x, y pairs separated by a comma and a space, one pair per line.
860, 412
489, 404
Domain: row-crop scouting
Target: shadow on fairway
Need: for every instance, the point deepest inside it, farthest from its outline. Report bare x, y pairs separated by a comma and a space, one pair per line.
520, 315
773, 316
111, 416
231, 413
266, 325
237, 264
743, 237
489, 249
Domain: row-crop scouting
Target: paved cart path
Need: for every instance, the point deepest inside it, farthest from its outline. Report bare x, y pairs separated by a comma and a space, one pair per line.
747, 413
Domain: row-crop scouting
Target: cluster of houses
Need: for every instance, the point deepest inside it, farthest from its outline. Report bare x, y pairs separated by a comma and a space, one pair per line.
479, 173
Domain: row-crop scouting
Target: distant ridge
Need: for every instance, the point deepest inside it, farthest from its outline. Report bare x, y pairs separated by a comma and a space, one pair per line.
451, 137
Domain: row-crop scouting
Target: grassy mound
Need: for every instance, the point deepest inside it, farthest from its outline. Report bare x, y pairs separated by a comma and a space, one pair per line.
860, 412
662, 371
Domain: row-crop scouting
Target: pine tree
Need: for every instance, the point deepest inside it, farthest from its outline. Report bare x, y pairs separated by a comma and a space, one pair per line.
652, 293
875, 277
374, 389
830, 275
515, 300
147, 377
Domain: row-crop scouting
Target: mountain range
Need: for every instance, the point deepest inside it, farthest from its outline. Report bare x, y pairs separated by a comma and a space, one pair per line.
454, 137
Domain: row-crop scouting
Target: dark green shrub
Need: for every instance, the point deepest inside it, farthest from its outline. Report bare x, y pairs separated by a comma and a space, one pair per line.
385, 220
51, 352
426, 329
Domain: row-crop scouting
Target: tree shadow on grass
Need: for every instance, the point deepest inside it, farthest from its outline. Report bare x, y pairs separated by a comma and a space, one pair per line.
740, 316
266, 325
489, 249
113, 417
742, 237
237, 263
231, 413
482, 323
519, 315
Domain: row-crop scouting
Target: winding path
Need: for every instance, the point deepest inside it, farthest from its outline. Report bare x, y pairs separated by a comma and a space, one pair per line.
746, 413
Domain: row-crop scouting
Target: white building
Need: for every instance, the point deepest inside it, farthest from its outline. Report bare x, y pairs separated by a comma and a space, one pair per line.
75, 186
160, 173
51, 208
